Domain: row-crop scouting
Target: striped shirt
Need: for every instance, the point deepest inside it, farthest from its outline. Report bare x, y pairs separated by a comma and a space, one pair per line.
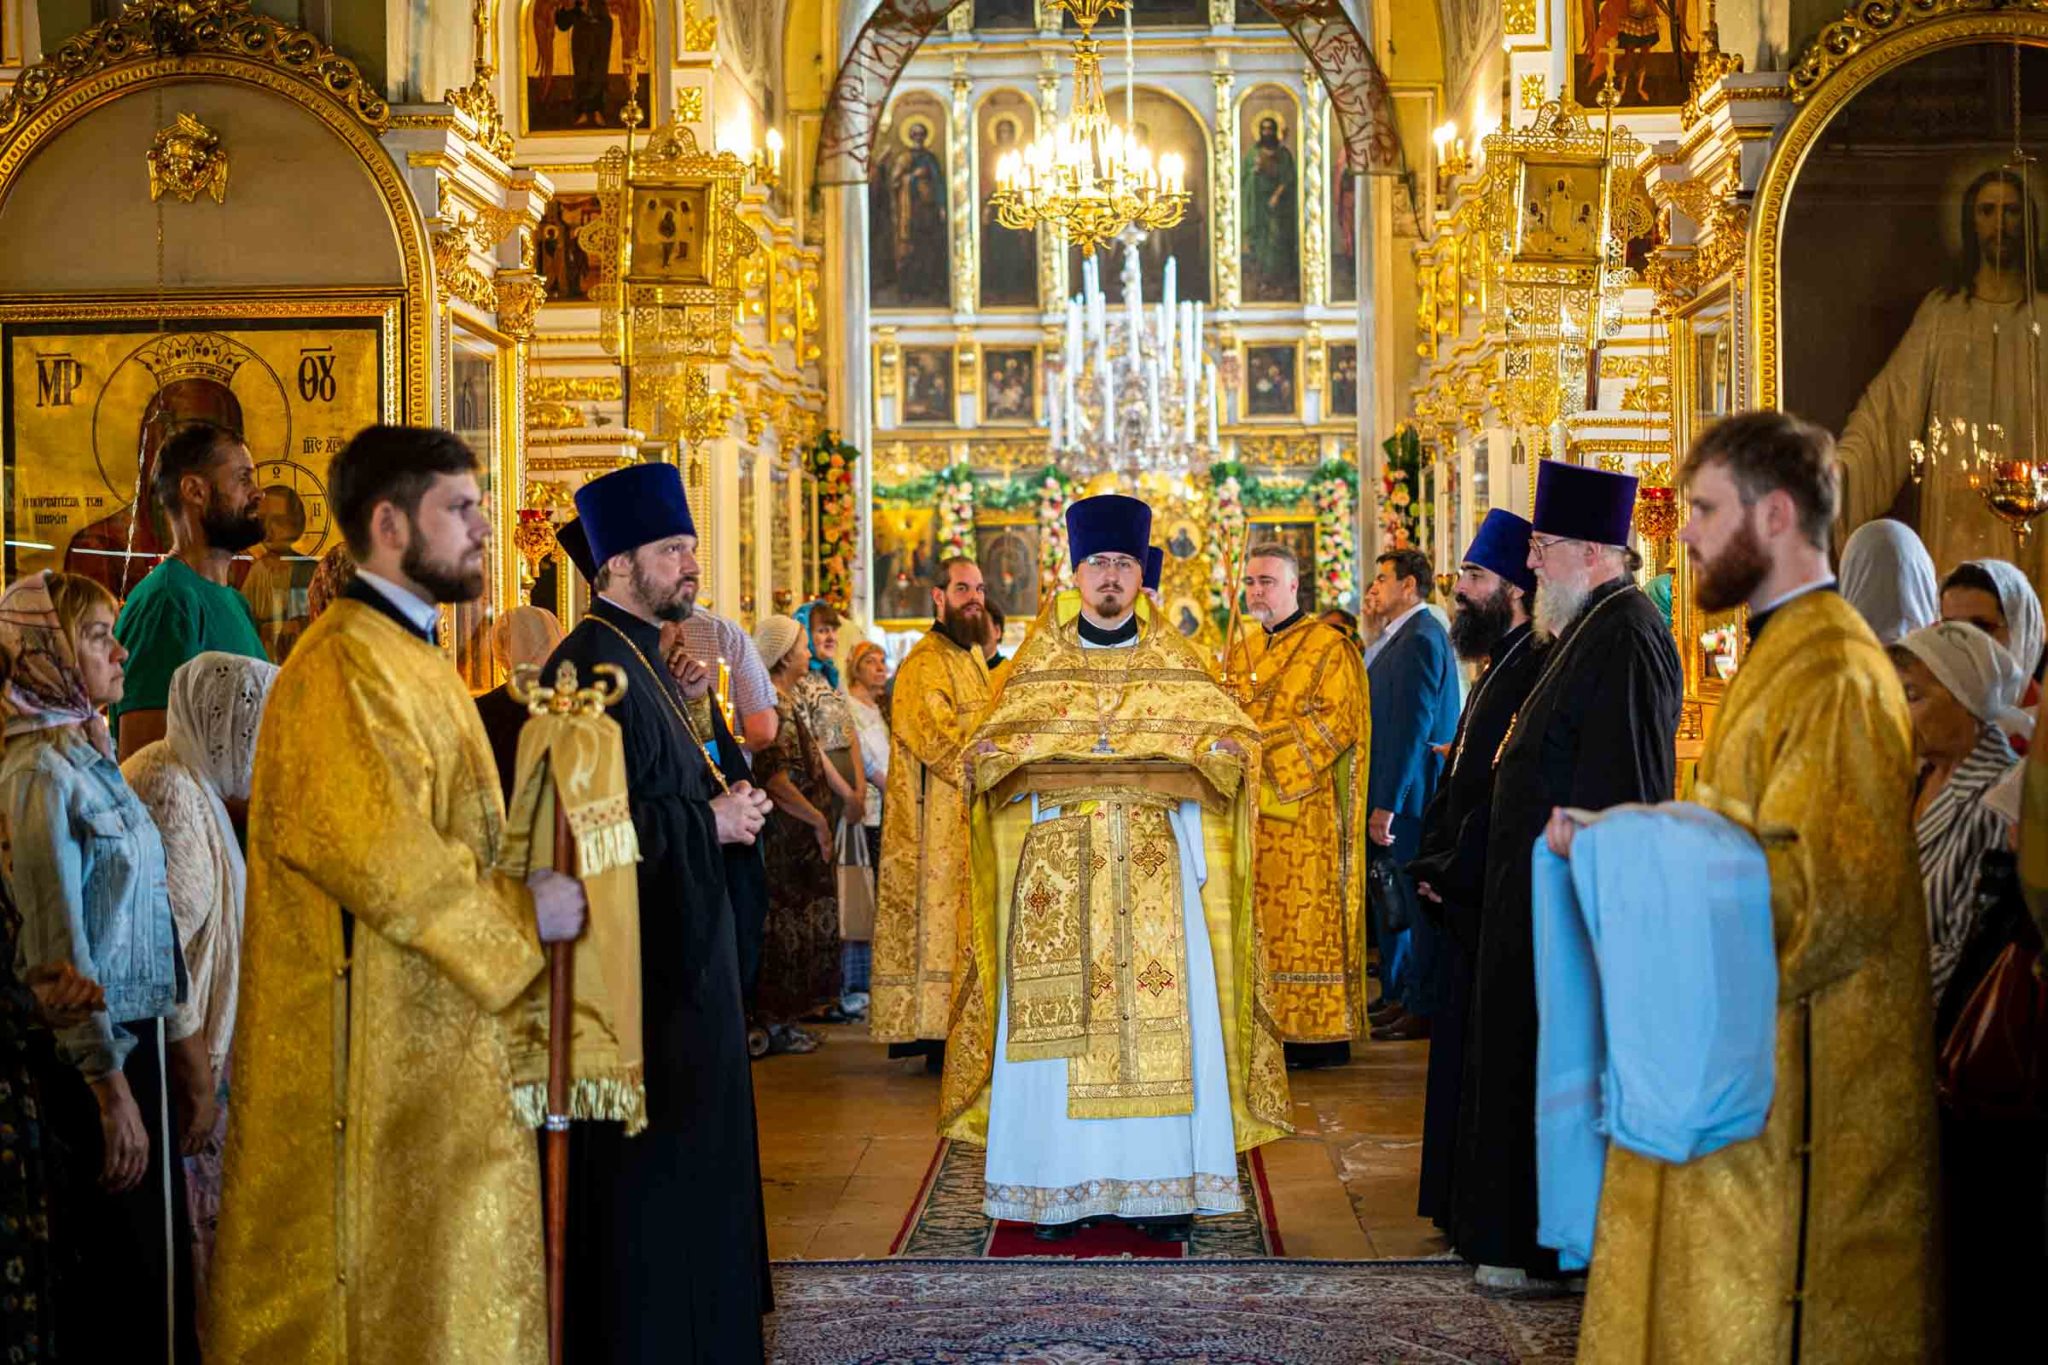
1954, 833
708, 637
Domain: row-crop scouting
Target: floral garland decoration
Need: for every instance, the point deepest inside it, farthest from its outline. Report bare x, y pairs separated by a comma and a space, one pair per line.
1335, 487
1055, 491
1400, 485
1227, 517
956, 512
831, 463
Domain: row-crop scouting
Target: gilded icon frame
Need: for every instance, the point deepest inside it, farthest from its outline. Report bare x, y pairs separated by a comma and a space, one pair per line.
379, 310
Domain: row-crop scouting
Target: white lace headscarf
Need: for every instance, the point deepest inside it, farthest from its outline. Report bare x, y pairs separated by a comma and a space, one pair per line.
216, 708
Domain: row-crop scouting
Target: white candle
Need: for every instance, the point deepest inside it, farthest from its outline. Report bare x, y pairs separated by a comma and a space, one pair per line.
1108, 402
1152, 398
1058, 408
1172, 284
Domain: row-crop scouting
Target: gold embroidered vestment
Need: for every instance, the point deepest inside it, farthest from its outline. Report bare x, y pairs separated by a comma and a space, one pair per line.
1813, 753
1307, 692
941, 691
1080, 916
381, 1200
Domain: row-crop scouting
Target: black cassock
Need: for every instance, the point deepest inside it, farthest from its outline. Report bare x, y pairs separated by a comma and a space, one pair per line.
1599, 729
1452, 860
667, 1247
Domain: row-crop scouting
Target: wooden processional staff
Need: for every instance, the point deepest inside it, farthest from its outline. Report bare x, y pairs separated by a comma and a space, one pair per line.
565, 697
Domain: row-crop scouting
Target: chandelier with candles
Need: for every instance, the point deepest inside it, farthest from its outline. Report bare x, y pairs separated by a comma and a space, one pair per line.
1087, 178
1125, 392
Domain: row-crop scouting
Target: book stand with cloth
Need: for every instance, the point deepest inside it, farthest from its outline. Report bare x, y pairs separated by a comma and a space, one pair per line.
576, 1050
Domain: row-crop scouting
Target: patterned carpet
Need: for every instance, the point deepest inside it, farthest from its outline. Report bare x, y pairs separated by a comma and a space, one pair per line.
1024, 1312
946, 1221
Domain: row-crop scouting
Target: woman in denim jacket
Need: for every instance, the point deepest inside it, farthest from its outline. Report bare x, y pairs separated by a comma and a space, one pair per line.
86, 869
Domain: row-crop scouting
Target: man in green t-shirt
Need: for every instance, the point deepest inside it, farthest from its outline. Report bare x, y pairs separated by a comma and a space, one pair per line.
205, 482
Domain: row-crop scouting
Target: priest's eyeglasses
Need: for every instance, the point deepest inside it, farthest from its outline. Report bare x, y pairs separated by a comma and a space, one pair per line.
1110, 563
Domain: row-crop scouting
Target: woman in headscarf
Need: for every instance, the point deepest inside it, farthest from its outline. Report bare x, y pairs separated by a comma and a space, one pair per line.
1888, 577
1959, 682
867, 686
523, 635
1996, 597
195, 782
824, 707
129, 1086
800, 949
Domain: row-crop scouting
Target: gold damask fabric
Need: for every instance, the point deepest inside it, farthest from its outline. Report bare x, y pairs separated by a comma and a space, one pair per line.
1149, 705
580, 761
1097, 936
941, 691
1813, 753
381, 1200
1308, 694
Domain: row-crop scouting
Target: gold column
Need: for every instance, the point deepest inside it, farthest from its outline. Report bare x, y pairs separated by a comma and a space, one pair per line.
1052, 254
1315, 178
1224, 187
966, 291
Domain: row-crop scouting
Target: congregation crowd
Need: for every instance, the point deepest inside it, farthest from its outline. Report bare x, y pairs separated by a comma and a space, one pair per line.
248, 905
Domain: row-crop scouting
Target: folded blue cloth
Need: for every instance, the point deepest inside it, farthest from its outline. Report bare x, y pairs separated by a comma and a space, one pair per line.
1656, 995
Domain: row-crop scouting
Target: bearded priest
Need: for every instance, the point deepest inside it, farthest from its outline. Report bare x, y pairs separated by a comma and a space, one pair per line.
1599, 728
1304, 686
941, 690
1112, 1044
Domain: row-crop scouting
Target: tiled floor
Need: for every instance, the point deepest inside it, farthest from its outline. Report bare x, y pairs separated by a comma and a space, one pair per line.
846, 1136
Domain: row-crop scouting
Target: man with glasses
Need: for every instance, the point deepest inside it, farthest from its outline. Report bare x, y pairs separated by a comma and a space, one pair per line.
1303, 685
1105, 1049
1598, 730
941, 690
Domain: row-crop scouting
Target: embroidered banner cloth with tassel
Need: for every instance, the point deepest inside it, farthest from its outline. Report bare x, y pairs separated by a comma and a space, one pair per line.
578, 759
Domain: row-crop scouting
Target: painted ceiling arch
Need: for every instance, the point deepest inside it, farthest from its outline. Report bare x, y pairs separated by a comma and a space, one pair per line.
1325, 32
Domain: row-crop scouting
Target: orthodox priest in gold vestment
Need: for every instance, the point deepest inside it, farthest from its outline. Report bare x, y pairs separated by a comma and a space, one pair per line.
1113, 1044
940, 692
381, 1199
1304, 686
1813, 1242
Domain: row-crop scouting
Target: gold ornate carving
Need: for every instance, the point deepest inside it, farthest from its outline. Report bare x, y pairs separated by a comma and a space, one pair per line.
690, 103
1708, 70
478, 101
462, 236
1280, 452
1869, 21
707, 412
1518, 18
520, 293
700, 31
966, 365
188, 160
183, 29
550, 416
1535, 90
1229, 285
579, 388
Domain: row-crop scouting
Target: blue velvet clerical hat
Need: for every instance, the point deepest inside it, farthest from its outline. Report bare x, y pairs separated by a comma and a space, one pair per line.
1502, 545
569, 535
1579, 502
631, 507
1108, 523
1155, 563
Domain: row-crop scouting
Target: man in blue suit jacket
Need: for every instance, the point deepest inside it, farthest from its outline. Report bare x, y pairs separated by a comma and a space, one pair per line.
1414, 680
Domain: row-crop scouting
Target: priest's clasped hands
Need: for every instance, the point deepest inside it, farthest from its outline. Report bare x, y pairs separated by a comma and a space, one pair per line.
740, 813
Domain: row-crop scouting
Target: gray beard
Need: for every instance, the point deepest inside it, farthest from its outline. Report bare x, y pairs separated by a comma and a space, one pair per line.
1557, 606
